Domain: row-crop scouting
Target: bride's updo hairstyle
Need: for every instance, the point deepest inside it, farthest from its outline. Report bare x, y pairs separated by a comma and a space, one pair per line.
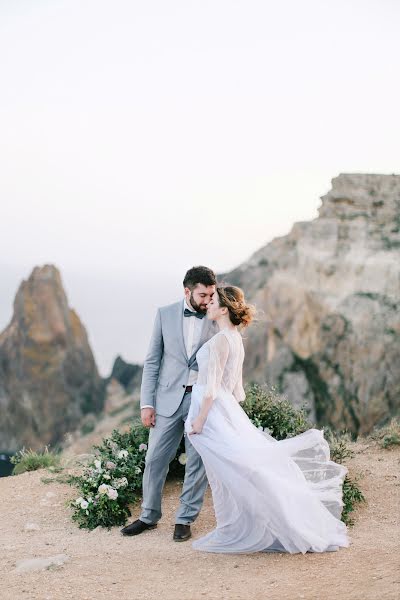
232, 298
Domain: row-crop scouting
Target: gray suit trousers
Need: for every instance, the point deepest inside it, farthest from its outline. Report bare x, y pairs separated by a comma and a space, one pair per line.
164, 440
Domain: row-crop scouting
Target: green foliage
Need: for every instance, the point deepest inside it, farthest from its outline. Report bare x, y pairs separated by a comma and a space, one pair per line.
58, 479
112, 480
29, 460
340, 451
352, 495
177, 466
338, 444
389, 435
271, 411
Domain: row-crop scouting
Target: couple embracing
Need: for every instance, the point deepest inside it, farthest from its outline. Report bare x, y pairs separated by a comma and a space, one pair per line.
268, 495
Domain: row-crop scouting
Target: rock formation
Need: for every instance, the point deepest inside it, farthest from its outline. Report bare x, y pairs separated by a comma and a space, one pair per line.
127, 374
329, 295
48, 376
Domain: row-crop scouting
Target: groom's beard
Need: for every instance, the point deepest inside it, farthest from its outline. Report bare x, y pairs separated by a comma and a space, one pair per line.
201, 308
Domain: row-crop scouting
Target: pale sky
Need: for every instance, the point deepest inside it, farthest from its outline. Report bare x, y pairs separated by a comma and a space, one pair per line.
140, 138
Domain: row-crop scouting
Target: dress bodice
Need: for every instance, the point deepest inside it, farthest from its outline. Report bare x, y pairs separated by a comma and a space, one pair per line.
220, 362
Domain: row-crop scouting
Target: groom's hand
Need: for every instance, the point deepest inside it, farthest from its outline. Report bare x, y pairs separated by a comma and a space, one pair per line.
148, 416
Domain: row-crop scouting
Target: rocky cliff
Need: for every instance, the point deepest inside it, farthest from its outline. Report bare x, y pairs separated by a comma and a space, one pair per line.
127, 374
329, 296
48, 376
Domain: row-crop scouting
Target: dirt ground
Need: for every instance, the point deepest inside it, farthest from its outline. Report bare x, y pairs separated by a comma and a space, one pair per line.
35, 522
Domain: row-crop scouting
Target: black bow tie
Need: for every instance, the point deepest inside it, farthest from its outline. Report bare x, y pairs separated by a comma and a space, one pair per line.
190, 313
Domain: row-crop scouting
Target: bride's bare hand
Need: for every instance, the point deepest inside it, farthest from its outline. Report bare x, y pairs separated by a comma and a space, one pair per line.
197, 426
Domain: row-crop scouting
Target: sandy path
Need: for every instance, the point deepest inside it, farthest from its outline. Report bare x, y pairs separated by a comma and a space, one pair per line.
107, 565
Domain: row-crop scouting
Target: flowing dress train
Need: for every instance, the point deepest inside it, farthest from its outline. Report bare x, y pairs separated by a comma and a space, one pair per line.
268, 495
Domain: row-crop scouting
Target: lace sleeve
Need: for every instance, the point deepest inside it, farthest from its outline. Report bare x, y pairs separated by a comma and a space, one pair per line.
238, 390
219, 351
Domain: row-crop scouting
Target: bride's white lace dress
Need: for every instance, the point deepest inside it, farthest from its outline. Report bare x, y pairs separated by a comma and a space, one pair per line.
268, 495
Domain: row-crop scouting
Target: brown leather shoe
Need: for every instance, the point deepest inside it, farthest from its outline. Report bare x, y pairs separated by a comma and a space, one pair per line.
137, 527
182, 533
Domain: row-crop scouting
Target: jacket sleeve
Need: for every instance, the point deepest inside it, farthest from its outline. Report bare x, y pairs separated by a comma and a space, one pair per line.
151, 366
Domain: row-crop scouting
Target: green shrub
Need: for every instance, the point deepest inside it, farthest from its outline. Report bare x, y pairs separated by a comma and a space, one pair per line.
338, 444
112, 480
389, 435
340, 451
271, 411
29, 460
177, 466
352, 495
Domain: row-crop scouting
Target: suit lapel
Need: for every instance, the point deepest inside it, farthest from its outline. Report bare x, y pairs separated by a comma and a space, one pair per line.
180, 328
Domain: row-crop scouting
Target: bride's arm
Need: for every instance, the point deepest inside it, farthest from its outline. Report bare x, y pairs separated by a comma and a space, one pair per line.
219, 350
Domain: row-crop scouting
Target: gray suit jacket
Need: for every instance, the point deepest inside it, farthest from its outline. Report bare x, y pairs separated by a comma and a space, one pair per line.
166, 366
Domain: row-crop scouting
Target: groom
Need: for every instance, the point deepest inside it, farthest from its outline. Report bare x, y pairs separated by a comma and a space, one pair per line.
169, 372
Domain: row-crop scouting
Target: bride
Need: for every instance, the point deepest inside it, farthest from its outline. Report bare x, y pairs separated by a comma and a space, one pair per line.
268, 495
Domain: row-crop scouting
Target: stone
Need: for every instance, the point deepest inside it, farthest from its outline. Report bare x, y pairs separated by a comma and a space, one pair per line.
328, 297
116, 396
27, 565
32, 527
127, 374
48, 375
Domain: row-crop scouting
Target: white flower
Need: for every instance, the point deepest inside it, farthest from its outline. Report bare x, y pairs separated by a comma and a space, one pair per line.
122, 453
112, 494
106, 476
82, 503
182, 458
117, 483
138, 470
111, 444
142, 447
110, 465
90, 499
103, 488
97, 464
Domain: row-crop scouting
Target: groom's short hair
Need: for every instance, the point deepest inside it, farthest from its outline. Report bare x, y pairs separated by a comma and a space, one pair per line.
197, 275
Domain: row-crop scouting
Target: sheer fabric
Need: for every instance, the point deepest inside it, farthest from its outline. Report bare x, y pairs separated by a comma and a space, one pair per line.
222, 368
268, 495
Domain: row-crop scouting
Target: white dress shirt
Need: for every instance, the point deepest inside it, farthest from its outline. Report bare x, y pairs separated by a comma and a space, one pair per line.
192, 327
